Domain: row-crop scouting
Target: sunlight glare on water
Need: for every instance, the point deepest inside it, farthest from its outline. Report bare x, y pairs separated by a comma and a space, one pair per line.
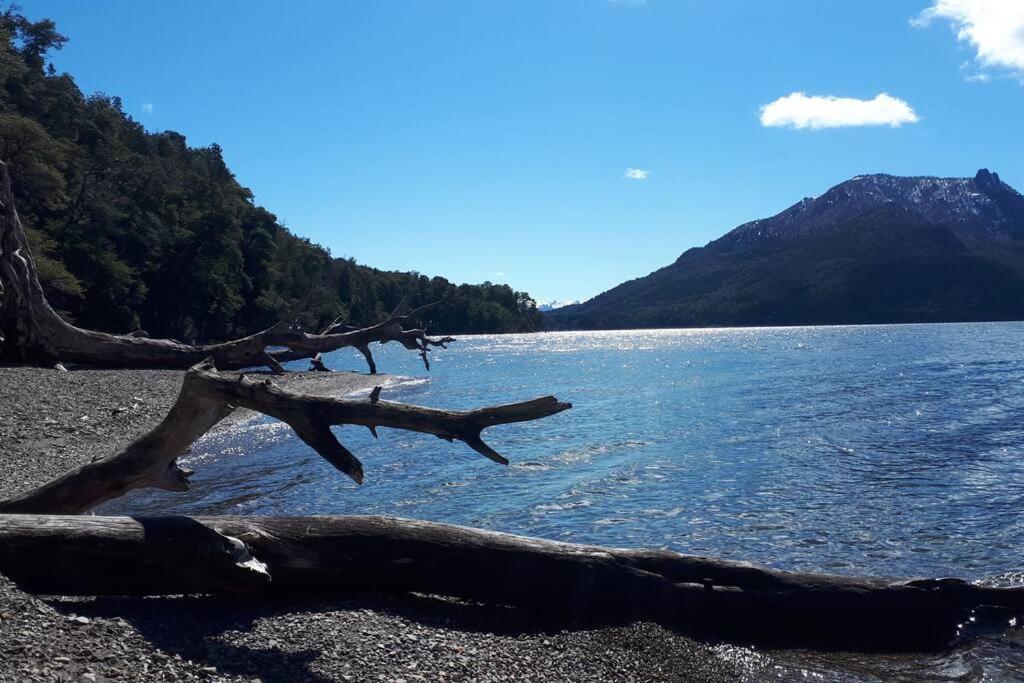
886, 449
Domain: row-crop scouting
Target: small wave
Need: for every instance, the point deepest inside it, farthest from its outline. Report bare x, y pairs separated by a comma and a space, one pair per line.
532, 466
237, 440
608, 521
845, 450
393, 384
666, 514
558, 507
1010, 579
587, 453
752, 664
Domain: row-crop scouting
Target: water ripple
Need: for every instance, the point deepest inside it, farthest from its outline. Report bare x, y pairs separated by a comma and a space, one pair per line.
889, 450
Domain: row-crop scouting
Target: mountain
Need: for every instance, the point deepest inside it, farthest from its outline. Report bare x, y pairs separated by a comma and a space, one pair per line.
556, 304
874, 249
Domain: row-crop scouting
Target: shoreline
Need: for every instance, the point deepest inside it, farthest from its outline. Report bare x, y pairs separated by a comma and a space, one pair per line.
735, 328
53, 421
339, 384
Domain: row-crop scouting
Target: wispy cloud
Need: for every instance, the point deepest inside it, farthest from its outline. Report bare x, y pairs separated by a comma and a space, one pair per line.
636, 174
800, 111
994, 28
147, 107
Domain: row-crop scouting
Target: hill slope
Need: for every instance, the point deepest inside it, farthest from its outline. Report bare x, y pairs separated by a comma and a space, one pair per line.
132, 228
874, 249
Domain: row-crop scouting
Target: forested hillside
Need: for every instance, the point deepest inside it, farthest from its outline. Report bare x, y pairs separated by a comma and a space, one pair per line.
137, 230
874, 249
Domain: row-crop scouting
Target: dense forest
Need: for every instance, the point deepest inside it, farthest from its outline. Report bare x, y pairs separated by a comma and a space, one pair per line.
136, 230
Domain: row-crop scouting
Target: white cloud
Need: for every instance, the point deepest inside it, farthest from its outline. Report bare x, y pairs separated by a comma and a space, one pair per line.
636, 174
147, 107
800, 110
994, 28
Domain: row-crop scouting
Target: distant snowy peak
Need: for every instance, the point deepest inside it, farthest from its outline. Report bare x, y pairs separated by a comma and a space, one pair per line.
980, 204
558, 303
941, 200
873, 249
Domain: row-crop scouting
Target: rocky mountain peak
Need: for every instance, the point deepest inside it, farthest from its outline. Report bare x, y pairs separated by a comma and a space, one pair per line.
874, 249
979, 205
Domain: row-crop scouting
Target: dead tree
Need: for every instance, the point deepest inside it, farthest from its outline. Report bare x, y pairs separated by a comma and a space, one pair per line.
207, 396
32, 332
561, 581
47, 548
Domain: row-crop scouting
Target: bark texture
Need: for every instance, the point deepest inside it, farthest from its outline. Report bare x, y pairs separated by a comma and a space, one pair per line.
207, 396
95, 555
47, 548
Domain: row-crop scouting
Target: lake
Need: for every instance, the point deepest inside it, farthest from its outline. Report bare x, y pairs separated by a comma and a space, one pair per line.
891, 450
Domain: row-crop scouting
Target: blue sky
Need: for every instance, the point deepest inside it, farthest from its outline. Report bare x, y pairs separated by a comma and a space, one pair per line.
494, 140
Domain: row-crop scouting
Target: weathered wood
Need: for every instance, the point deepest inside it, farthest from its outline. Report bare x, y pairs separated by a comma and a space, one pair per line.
121, 555
207, 396
323, 412
32, 332
71, 554
338, 336
149, 462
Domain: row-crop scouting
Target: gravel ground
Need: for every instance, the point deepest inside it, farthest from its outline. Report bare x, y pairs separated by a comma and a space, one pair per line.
52, 421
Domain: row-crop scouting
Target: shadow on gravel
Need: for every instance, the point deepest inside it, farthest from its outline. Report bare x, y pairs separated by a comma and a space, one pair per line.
278, 638
211, 631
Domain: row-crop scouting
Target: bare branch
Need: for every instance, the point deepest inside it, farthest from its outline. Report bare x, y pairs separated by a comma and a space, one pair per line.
207, 396
303, 345
312, 414
31, 331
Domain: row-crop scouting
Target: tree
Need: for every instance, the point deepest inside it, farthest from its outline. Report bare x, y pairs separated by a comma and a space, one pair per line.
70, 554
114, 212
31, 331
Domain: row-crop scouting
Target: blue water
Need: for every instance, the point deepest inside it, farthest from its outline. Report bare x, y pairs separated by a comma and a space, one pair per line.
892, 450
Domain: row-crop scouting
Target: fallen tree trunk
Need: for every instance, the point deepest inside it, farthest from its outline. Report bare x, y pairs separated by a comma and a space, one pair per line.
172, 555
207, 396
77, 555
337, 336
50, 553
32, 332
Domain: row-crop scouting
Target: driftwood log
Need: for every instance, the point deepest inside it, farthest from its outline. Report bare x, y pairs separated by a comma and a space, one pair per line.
32, 332
207, 396
47, 548
50, 551
172, 555
337, 336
